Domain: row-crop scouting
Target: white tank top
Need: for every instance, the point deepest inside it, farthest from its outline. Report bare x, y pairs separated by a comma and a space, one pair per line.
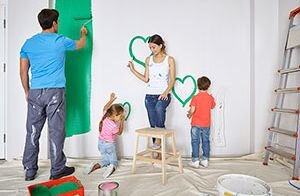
158, 76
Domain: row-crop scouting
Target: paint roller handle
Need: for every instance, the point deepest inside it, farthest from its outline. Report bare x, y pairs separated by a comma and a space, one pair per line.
83, 31
294, 12
87, 22
82, 41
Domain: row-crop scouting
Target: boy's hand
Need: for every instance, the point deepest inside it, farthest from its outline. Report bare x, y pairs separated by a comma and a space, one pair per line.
189, 115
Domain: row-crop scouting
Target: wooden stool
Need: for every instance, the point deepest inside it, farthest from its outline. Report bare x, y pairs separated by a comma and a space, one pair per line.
162, 134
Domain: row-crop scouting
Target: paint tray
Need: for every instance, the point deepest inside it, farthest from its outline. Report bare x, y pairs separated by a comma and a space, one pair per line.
78, 191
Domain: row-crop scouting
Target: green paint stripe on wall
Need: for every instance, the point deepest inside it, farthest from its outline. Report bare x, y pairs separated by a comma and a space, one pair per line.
72, 15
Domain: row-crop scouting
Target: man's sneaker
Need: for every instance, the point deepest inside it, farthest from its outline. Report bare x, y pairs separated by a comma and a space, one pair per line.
29, 178
65, 172
204, 163
155, 147
110, 169
194, 164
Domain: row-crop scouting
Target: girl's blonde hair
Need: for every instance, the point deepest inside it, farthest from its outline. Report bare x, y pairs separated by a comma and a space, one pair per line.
115, 109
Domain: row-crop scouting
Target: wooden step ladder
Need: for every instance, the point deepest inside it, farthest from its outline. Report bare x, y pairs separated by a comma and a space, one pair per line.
292, 42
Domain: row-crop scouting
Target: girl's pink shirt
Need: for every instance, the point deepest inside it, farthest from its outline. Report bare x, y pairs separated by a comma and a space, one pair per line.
109, 130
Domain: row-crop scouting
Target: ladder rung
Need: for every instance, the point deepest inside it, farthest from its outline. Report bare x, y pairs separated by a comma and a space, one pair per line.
287, 90
283, 131
289, 70
285, 110
281, 152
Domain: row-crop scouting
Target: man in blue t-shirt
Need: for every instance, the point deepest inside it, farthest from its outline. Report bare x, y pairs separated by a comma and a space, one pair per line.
44, 55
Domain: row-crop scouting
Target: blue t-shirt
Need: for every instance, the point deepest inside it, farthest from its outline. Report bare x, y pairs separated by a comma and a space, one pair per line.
46, 53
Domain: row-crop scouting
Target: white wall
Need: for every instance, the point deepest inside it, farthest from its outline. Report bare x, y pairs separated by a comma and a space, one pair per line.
3, 11
21, 23
264, 69
219, 39
206, 38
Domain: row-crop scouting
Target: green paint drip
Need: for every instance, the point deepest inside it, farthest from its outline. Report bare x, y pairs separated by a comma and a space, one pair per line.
181, 100
72, 15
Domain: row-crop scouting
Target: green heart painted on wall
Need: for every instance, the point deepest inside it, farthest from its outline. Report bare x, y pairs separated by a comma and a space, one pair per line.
127, 107
131, 53
182, 81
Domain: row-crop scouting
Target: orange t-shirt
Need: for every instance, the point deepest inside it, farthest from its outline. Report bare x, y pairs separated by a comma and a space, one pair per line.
203, 103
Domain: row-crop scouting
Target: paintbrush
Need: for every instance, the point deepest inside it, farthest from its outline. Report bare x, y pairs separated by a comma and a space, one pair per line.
87, 22
89, 19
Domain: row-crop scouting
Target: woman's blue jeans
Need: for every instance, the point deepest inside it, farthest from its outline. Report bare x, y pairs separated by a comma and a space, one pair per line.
156, 110
197, 134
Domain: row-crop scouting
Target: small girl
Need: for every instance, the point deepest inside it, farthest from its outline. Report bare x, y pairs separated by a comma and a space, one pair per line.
111, 124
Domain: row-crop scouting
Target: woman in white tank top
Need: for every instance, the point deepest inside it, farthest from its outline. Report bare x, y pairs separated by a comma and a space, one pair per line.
160, 76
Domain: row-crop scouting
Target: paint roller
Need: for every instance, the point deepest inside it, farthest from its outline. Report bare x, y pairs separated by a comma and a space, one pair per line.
87, 19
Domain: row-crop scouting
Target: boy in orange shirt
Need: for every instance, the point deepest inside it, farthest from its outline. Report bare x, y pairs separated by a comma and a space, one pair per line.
200, 108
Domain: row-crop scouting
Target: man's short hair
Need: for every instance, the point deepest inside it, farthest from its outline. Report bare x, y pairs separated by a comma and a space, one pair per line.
46, 18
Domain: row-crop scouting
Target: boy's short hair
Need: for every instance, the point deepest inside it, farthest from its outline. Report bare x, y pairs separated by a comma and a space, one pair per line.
203, 83
46, 18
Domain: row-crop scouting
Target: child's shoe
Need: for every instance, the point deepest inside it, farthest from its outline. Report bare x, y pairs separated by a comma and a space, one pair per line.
109, 171
204, 163
194, 164
92, 167
155, 147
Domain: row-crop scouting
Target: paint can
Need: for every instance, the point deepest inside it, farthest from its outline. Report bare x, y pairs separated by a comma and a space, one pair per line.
242, 185
108, 189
